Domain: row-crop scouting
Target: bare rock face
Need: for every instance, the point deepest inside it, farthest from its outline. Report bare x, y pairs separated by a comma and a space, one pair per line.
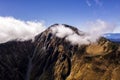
52, 58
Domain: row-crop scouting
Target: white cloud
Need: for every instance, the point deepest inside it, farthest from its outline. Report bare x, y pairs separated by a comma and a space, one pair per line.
99, 28
117, 30
61, 31
11, 28
65, 32
95, 31
88, 3
98, 2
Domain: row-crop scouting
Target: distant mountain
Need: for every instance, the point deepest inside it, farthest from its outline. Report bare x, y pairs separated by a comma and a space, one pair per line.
115, 37
49, 57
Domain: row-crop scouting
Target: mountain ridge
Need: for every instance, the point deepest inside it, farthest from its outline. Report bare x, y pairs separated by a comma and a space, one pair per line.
50, 57
115, 37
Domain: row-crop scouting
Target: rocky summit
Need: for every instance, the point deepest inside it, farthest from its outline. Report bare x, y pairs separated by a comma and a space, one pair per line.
50, 57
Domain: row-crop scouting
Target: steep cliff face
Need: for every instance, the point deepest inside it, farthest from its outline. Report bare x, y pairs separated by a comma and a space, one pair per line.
52, 58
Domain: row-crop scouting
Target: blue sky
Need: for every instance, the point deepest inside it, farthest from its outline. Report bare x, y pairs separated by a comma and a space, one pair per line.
73, 12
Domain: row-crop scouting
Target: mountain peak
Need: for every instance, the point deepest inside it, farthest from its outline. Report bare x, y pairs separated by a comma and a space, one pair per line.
67, 26
60, 53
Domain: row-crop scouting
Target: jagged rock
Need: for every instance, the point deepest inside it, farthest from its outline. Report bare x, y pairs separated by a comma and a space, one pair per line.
52, 58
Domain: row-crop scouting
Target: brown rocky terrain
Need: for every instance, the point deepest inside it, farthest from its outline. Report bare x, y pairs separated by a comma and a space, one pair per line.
53, 58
